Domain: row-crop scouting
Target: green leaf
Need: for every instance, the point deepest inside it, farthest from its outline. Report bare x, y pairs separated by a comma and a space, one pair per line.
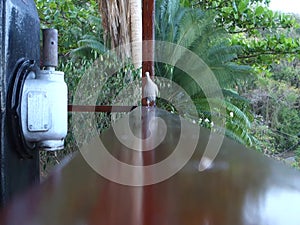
243, 5
259, 11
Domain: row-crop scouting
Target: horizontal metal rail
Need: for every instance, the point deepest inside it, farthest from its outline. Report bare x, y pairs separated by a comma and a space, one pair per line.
99, 108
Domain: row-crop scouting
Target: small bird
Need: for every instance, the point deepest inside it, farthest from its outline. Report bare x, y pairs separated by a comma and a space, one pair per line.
150, 90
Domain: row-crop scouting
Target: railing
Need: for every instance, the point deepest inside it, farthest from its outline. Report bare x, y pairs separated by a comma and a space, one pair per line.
240, 186
99, 108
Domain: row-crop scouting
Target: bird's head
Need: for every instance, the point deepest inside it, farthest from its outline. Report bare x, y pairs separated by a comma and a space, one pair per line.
147, 75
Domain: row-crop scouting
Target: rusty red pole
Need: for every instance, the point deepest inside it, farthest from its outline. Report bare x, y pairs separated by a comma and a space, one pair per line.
148, 34
148, 12
148, 15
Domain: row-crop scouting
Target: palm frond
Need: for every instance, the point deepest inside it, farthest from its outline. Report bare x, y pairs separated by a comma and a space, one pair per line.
229, 93
237, 122
239, 135
196, 30
88, 46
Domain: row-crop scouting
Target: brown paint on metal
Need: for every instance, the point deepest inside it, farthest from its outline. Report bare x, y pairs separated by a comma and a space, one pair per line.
99, 108
242, 187
148, 15
50, 48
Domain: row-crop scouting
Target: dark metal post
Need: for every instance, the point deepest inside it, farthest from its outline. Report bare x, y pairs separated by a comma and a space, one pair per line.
19, 38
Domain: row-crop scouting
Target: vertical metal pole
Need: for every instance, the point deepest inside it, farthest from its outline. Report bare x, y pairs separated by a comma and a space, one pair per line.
148, 12
147, 66
50, 48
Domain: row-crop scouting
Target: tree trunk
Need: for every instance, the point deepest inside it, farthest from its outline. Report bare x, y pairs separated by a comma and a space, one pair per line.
136, 32
122, 23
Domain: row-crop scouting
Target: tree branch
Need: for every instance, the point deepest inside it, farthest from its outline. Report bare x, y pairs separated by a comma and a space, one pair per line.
265, 53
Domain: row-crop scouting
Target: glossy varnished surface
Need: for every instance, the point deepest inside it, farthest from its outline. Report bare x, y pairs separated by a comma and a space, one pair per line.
241, 187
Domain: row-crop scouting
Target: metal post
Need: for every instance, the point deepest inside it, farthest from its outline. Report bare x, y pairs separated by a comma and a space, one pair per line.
50, 48
148, 35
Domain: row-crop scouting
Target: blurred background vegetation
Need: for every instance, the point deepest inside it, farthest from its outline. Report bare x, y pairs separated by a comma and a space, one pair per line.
253, 52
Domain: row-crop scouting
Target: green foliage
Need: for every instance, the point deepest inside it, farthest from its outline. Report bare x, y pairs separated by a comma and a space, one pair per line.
255, 27
265, 137
264, 50
197, 31
230, 37
247, 16
238, 123
277, 107
270, 44
287, 72
89, 47
288, 128
74, 20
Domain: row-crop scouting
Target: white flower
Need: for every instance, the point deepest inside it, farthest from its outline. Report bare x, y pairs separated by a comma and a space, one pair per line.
212, 124
231, 114
206, 120
194, 121
200, 120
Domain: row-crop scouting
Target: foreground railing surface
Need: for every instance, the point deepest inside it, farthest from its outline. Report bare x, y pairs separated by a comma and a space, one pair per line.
241, 187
